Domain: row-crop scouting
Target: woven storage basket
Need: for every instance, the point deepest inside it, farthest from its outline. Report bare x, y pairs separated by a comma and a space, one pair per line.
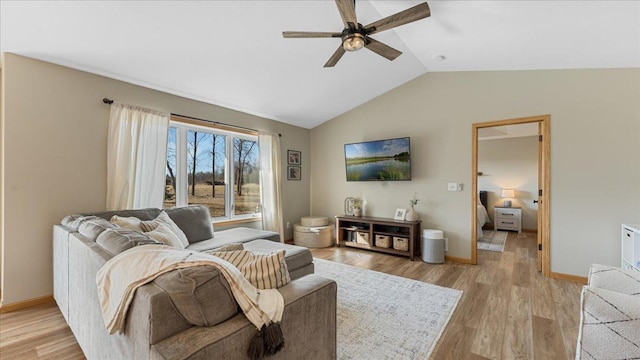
383, 241
312, 221
362, 237
400, 243
313, 237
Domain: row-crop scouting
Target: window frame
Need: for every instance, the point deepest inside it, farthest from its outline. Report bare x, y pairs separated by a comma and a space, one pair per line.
183, 126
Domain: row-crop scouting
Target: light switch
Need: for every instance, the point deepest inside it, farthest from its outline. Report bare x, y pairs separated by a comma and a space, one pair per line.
452, 187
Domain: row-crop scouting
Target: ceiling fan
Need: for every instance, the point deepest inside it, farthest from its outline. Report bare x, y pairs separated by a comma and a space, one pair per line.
355, 36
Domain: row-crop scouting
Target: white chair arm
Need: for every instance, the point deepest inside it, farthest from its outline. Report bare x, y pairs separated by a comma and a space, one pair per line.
609, 325
615, 279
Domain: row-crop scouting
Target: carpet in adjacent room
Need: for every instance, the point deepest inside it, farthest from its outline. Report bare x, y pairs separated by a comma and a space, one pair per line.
382, 316
492, 240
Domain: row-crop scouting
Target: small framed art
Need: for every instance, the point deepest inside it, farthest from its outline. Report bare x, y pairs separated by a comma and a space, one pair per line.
294, 173
294, 157
399, 214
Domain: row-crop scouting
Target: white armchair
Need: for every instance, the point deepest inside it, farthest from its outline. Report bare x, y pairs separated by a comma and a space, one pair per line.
610, 315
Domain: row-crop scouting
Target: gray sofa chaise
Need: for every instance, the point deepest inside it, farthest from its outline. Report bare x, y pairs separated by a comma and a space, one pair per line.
155, 328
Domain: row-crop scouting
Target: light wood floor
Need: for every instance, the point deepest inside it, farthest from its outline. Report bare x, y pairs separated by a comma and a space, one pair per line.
508, 310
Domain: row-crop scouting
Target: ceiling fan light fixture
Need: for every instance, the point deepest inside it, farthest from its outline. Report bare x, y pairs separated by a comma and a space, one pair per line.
353, 42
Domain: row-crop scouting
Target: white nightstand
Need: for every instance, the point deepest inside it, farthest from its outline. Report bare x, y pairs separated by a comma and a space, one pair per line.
507, 218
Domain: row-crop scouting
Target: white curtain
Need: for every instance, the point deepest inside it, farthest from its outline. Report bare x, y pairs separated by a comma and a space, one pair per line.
136, 157
270, 179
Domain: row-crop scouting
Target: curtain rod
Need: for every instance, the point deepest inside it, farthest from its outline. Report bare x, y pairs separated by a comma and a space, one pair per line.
109, 102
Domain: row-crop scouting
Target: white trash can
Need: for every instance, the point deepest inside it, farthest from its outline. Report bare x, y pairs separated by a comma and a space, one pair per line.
433, 246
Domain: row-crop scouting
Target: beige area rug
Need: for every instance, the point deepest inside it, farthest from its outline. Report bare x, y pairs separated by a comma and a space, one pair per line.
492, 240
382, 316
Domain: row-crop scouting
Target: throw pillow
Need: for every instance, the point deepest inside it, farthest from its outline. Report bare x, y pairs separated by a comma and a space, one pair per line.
135, 224
264, 271
74, 221
194, 220
162, 233
131, 223
118, 240
94, 226
165, 219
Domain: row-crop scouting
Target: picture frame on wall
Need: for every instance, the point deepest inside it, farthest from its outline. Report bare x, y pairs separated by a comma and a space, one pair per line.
399, 214
294, 157
294, 173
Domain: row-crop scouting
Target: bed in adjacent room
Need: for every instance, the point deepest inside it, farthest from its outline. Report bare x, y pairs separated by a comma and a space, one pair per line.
482, 214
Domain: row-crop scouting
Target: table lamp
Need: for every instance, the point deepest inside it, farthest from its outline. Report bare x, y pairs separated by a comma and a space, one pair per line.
508, 193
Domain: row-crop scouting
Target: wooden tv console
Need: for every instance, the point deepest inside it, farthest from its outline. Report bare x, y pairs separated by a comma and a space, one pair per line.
361, 232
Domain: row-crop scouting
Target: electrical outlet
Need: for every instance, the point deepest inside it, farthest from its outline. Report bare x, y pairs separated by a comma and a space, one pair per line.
452, 186
288, 225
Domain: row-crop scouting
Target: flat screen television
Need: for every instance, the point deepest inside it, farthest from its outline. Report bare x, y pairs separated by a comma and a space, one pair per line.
379, 160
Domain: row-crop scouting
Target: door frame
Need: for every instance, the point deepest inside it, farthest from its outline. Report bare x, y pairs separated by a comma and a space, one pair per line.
543, 204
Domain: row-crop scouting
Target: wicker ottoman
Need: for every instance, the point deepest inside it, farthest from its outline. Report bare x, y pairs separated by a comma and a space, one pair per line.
313, 232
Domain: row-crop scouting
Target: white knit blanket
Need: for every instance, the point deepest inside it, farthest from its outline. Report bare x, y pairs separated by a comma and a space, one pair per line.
119, 278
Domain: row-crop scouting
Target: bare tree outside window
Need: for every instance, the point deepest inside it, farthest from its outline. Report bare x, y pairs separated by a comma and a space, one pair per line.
170, 178
245, 160
207, 180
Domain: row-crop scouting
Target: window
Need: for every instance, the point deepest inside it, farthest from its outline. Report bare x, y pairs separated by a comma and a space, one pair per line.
214, 167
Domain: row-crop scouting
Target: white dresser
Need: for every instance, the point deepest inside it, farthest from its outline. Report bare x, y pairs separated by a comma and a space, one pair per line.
507, 218
631, 247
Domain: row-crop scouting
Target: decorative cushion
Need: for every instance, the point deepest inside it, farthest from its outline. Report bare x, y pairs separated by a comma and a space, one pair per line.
73, 221
142, 214
297, 257
94, 226
135, 224
264, 271
164, 218
163, 234
118, 240
200, 294
194, 220
131, 223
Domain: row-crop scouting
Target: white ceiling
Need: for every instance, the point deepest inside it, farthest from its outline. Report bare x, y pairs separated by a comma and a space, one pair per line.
231, 53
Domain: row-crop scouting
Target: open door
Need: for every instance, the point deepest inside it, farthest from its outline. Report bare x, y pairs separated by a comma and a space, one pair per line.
539, 201
544, 183
543, 242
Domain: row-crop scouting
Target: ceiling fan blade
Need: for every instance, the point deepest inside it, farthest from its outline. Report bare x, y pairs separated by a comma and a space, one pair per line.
347, 9
417, 12
309, 34
333, 60
382, 49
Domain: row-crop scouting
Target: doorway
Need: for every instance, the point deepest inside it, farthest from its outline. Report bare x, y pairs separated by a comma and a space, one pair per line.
542, 196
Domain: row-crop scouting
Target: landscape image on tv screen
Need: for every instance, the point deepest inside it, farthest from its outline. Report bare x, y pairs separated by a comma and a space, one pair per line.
381, 160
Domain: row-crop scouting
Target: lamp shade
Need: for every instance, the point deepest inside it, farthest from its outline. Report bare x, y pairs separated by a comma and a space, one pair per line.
353, 42
508, 193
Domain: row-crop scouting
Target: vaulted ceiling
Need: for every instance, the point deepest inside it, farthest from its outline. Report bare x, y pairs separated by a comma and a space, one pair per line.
232, 53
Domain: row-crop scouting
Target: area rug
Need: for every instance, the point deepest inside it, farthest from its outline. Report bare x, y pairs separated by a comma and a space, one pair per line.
382, 316
492, 240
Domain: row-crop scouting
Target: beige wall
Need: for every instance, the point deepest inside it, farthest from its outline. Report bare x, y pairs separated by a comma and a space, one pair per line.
511, 164
55, 137
1, 177
595, 153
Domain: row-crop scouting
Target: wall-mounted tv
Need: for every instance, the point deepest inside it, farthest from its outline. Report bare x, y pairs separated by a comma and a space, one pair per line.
380, 160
